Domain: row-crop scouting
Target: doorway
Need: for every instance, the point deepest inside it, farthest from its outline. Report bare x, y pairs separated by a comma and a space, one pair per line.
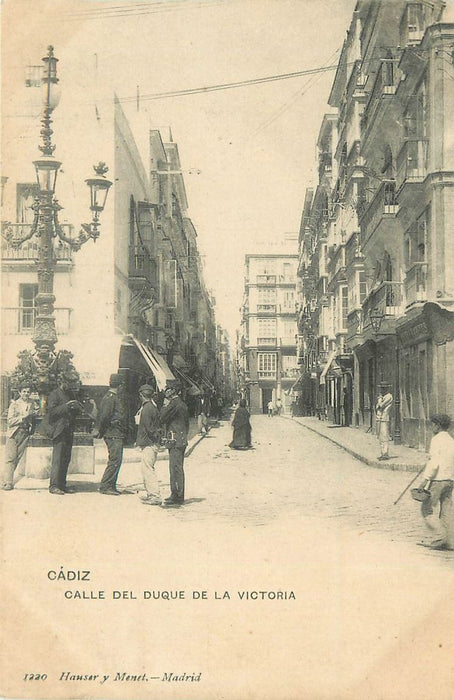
267, 395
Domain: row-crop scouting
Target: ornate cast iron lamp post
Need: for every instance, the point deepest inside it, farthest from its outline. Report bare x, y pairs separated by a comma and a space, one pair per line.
46, 226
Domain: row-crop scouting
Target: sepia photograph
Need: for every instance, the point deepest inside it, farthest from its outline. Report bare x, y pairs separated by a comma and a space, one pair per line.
227, 350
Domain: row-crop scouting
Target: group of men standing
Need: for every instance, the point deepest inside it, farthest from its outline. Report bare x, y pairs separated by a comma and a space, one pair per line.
168, 425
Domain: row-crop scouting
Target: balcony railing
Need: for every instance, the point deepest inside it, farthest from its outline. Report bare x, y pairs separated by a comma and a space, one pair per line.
21, 320
416, 283
266, 279
267, 341
383, 203
266, 308
412, 161
387, 297
29, 250
385, 84
266, 374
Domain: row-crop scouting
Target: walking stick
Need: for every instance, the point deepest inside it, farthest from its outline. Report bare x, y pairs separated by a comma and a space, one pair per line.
408, 485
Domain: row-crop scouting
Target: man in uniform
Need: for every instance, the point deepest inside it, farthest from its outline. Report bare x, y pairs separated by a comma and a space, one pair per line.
113, 428
58, 425
174, 417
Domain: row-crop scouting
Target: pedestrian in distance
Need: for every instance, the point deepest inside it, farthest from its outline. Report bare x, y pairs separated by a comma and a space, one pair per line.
438, 481
347, 406
174, 417
241, 428
112, 426
278, 406
270, 409
59, 424
202, 414
19, 426
382, 414
148, 441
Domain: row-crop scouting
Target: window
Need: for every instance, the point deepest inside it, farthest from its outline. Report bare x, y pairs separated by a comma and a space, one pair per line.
267, 327
27, 306
267, 362
267, 295
171, 283
26, 194
289, 300
416, 239
362, 287
344, 306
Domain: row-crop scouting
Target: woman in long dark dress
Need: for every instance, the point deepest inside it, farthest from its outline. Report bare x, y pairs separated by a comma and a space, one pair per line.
241, 428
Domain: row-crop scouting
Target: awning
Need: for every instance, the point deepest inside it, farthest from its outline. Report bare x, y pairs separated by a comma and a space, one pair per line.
193, 388
206, 382
179, 362
295, 383
329, 362
157, 364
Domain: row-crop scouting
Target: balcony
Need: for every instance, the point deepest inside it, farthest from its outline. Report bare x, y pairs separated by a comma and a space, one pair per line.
266, 308
29, 250
269, 342
412, 161
416, 283
383, 205
388, 298
20, 320
384, 88
268, 374
269, 280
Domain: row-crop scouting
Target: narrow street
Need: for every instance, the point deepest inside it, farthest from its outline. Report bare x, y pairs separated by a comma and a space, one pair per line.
296, 514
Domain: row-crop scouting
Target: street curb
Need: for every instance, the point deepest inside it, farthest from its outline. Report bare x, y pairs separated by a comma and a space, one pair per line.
393, 466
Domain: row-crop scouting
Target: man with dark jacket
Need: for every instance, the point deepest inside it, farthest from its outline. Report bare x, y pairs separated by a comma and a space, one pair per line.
112, 421
148, 441
58, 425
174, 417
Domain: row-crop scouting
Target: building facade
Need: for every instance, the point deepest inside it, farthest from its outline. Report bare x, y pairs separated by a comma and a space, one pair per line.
389, 193
267, 344
133, 301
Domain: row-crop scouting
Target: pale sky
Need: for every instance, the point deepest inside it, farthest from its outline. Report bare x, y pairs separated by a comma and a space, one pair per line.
254, 146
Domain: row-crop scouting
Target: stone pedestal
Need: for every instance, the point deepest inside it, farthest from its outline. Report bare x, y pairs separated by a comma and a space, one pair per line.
36, 461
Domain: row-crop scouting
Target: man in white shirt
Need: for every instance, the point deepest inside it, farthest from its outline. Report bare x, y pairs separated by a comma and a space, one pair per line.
382, 411
19, 426
439, 481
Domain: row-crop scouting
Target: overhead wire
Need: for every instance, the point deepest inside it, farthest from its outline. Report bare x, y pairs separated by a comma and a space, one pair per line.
293, 99
142, 9
229, 86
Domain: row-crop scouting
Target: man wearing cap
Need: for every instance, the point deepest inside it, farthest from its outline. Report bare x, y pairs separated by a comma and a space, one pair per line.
20, 422
438, 480
58, 425
148, 440
113, 428
174, 417
382, 411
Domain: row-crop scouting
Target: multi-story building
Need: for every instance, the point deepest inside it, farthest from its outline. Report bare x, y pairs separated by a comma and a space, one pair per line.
390, 249
134, 301
268, 352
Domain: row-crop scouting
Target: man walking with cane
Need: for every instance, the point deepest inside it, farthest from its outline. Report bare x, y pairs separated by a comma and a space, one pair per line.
438, 482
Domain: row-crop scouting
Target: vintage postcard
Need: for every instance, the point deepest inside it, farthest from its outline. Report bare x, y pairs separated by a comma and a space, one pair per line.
227, 458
